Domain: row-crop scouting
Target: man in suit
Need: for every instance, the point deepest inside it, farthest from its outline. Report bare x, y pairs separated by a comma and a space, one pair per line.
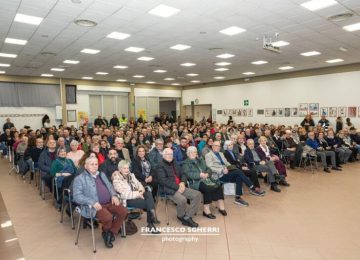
218, 164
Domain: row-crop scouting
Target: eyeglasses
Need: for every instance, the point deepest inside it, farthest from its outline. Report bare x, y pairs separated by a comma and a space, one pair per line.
216, 145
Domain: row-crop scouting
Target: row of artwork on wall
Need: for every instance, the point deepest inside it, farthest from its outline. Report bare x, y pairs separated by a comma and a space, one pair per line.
304, 109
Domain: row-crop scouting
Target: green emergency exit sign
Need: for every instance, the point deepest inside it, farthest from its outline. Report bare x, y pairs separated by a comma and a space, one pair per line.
246, 102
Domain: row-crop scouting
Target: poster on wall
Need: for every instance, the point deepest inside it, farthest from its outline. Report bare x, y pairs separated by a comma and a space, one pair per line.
314, 109
324, 111
83, 118
239, 114
280, 112
219, 112
141, 113
244, 112
250, 112
234, 112
332, 111
342, 111
294, 111
287, 111
351, 111
303, 109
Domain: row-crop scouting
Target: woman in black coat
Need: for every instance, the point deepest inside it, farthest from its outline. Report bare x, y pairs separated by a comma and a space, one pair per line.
143, 171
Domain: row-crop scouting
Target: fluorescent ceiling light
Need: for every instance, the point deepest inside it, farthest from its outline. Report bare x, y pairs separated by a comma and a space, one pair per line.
259, 62
145, 58
219, 77
310, 53
175, 84
169, 79
90, 51
225, 56
57, 69
8, 55
286, 68
334, 60
15, 41
138, 76
87, 77
249, 73
23, 18
195, 81
352, 27
233, 30
164, 11
150, 82
221, 69
71, 61
223, 63
121, 80
4, 65
180, 47
160, 71
102, 73
47, 75
279, 43
118, 35
188, 64
2, 71
120, 67
134, 49
192, 74
315, 5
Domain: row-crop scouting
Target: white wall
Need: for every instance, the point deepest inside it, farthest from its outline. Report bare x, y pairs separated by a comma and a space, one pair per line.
340, 89
30, 116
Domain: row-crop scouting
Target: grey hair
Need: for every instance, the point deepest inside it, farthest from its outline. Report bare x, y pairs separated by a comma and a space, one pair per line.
227, 143
166, 150
159, 140
123, 163
190, 149
90, 159
74, 142
60, 149
119, 139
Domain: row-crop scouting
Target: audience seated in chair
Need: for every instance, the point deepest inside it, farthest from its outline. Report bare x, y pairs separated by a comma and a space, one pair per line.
93, 188
131, 190
172, 180
199, 177
253, 160
223, 171
47, 156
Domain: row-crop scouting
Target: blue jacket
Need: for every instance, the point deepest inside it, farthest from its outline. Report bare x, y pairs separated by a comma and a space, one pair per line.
333, 141
45, 162
249, 159
313, 143
179, 156
155, 158
85, 193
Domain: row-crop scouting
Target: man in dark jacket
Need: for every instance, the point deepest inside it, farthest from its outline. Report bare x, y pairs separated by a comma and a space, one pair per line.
111, 164
46, 158
172, 180
8, 124
114, 121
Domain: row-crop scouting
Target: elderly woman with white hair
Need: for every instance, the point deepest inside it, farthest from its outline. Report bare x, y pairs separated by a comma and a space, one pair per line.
131, 190
199, 177
75, 154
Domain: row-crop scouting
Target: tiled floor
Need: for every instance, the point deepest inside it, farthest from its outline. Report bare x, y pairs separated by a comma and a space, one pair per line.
316, 218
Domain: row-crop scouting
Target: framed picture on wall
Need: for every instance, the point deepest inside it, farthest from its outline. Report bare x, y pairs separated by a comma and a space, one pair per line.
71, 115
239, 112
351, 111
250, 112
280, 112
287, 111
303, 109
219, 112
294, 111
244, 112
324, 111
70, 91
260, 111
332, 111
358, 111
342, 111
314, 109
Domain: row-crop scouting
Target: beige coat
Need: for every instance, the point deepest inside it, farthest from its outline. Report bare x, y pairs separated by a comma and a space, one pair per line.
127, 188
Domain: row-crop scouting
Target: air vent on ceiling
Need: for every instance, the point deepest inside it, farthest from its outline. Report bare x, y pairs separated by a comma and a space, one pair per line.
215, 49
340, 17
154, 66
85, 23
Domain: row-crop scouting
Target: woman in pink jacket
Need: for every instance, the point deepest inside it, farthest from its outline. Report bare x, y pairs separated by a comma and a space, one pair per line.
131, 190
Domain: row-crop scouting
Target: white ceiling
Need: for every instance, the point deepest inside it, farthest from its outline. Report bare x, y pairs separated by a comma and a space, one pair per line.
305, 30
